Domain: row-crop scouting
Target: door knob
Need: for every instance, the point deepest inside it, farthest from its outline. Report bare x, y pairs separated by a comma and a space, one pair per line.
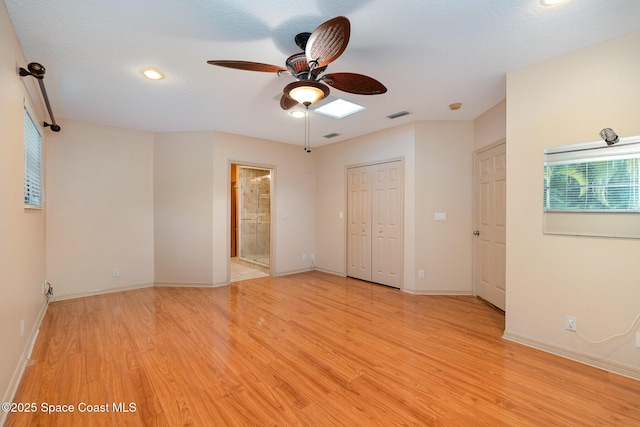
476, 233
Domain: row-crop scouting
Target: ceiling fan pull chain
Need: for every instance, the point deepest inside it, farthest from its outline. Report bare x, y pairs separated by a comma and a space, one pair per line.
306, 131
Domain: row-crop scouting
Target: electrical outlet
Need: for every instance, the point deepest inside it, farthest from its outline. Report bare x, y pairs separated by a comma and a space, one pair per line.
420, 274
313, 257
570, 323
304, 257
116, 272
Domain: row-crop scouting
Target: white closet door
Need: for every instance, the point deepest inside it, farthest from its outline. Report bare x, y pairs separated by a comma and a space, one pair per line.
375, 223
386, 218
359, 223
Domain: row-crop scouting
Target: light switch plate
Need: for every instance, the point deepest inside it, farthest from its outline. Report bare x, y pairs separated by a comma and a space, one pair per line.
440, 216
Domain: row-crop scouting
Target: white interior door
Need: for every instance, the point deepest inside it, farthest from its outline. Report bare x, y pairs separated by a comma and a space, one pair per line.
490, 219
375, 223
359, 223
386, 218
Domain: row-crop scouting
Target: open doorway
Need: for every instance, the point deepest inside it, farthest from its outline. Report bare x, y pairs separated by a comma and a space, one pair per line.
250, 222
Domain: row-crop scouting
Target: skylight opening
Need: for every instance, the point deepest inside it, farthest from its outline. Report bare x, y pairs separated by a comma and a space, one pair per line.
339, 109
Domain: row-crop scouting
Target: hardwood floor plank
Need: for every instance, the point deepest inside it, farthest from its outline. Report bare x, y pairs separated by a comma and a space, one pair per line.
310, 349
314, 415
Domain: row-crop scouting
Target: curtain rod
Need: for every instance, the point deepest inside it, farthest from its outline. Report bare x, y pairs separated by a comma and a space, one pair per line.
37, 70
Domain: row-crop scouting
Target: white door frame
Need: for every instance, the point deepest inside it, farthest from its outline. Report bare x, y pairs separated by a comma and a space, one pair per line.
272, 224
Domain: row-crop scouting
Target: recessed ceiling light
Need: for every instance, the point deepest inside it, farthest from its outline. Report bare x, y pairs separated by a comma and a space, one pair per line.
298, 114
551, 2
153, 74
455, 106
339, 108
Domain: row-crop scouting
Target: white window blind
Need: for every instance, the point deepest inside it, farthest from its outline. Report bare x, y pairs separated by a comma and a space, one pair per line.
593, 177
32, 162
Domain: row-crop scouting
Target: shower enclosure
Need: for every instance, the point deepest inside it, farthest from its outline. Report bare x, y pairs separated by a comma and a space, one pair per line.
255, 215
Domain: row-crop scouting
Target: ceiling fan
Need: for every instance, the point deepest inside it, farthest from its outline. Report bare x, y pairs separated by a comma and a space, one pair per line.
321, 47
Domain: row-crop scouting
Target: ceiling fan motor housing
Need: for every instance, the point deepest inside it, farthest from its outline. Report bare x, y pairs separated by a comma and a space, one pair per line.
299, 67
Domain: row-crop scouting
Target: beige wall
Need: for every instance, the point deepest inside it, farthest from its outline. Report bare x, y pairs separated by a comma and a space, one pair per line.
491, 126
444, 183
183, 208
192, 204
293, 193
22, 231
568, 100
99, 209
332, 160
156, 206
437, 179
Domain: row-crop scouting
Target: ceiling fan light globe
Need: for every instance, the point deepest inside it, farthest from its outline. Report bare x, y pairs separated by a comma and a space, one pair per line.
306, 95
306, 92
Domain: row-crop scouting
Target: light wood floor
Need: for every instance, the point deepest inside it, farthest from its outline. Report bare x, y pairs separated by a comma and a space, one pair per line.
307, 349
240, 271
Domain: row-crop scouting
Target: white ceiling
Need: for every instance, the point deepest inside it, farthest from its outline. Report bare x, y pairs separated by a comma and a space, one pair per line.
428, 53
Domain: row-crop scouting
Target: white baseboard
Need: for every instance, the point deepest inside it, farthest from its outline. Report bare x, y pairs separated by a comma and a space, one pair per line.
332, 272
408, 291
185, 285
436, 292
287, 273
567, 353
22, 364
101, 292
220, 284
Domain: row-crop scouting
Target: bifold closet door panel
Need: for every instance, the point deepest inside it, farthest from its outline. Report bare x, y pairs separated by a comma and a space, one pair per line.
387, 216
359, 223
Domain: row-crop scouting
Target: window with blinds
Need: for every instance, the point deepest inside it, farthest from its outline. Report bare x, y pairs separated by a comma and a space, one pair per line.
592, 189
602, 179
32, 162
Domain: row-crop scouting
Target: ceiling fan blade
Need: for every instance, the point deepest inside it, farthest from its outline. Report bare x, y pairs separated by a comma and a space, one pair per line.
287, 103
247, 65
354, 83
328, 41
